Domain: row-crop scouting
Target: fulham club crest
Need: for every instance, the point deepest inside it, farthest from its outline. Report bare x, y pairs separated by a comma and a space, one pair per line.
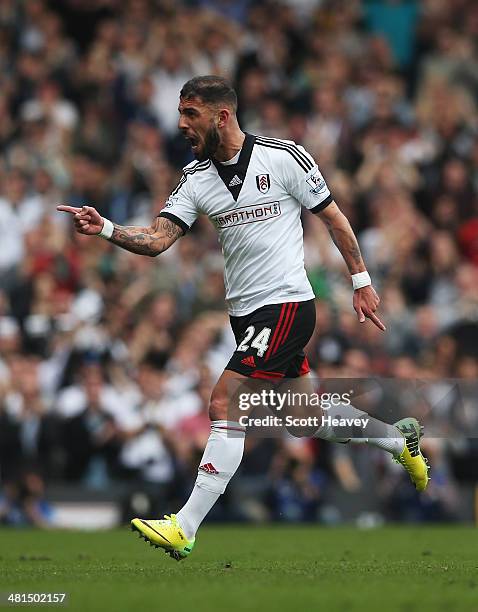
263, 182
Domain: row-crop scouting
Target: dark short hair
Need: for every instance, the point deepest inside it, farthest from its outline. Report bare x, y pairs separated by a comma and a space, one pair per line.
210, 90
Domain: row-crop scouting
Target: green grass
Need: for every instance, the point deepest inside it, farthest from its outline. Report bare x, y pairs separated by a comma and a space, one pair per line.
297, 569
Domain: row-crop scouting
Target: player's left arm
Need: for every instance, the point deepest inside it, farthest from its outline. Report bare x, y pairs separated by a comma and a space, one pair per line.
304, 181
365, 298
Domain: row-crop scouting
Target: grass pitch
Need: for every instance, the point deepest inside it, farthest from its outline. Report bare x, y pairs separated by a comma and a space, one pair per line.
250, 568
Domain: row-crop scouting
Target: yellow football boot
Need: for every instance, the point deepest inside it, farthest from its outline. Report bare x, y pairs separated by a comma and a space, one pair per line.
411, 457
165, 533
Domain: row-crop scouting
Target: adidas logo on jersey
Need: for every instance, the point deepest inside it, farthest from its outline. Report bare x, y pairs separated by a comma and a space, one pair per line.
208, 468
235, 181
249, 361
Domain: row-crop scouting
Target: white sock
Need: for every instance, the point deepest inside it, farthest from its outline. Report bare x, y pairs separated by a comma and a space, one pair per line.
391, 445
195, 510
376, 433
222, 456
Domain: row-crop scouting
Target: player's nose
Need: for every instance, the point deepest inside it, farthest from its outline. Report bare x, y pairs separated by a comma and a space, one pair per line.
182, 123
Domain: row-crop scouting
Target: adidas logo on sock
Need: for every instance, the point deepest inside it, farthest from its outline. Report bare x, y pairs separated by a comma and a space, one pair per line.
235, 181
208, 468
249, 361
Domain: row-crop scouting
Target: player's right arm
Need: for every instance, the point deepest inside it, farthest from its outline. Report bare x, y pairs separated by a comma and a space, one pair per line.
150, 241
179, 213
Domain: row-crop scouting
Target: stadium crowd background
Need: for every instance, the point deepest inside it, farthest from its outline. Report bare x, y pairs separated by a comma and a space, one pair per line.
107, 359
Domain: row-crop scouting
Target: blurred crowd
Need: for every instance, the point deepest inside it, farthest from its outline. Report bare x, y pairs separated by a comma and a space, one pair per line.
107, 359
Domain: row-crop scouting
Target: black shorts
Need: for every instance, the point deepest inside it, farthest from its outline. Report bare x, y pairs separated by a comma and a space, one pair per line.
271, 341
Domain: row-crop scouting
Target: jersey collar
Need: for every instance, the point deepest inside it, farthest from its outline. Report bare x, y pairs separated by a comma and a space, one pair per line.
233, 175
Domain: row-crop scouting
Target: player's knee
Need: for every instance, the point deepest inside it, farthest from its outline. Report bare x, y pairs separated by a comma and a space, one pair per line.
218, 407
303, 419
304, 430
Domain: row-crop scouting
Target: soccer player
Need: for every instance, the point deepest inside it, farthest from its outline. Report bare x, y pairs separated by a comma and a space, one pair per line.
252, 189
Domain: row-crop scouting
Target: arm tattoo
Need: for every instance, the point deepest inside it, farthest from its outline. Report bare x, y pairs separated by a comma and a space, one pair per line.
149, 241
170, 229
344, 239
348, 246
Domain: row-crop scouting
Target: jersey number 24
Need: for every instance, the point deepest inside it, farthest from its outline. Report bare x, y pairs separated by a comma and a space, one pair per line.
260, 342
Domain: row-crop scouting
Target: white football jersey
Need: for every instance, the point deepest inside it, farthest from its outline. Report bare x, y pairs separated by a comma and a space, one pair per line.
255, 205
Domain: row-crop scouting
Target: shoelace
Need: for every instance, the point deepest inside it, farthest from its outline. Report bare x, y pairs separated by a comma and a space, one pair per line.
413, 445
170, 517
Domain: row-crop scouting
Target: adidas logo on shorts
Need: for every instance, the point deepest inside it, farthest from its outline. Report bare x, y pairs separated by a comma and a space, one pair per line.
249, 361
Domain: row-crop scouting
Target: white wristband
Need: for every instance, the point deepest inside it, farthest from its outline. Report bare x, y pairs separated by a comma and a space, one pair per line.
361, 279
107, 229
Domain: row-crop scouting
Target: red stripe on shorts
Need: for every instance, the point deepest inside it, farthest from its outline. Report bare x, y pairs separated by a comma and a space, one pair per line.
284, 327
275, 332
296, 305
305, 367
266, 375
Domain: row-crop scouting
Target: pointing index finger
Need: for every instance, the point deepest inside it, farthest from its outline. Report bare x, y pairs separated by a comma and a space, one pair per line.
376, 321
68, 209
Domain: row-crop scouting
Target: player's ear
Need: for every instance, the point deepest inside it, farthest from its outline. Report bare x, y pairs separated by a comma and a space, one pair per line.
223, 117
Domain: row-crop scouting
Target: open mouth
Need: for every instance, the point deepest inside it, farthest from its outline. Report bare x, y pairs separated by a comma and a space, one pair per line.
193, 141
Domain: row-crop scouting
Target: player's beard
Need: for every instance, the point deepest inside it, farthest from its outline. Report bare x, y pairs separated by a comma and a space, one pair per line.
212, 140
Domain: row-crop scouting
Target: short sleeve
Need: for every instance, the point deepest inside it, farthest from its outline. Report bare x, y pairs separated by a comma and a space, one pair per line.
304, 181
180, 207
